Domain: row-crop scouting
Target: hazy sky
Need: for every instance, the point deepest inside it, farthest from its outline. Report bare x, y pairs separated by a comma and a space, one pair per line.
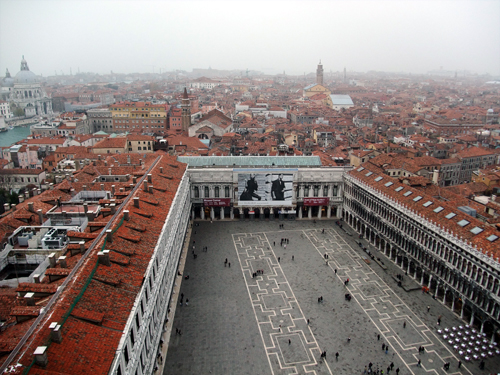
270, 36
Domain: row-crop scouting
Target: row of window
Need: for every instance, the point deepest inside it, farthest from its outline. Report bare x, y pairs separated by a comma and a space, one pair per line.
19, 179
217, 191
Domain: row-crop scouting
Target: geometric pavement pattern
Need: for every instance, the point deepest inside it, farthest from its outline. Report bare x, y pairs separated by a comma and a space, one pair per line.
289, 343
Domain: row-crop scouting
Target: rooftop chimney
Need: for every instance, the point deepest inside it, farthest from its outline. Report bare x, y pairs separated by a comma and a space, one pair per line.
31, 207
134, 180
85, 207
52, 260
150, 178
90, 215
136, 202
28, 297
161, 169
41, 356
112, 190
55, 333
103, 257
102, 187
6, 207
62, 262
150, 189
145, 183
126, 215
36, 278
109, 235
40, 215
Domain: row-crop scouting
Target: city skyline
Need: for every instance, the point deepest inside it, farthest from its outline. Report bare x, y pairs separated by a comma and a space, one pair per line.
271, 37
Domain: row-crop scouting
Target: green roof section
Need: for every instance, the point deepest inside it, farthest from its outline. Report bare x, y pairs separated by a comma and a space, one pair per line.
251, 161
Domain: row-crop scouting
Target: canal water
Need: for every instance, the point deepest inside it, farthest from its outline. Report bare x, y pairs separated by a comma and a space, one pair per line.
12, 136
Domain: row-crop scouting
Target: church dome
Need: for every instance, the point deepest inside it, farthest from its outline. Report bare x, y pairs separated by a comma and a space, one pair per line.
25, 75
8, 81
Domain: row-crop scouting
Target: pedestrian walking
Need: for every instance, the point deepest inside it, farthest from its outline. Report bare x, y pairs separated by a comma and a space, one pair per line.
335, 271
348, 340
383, 346
397, 371
274, 243
392, 365
378, 337
459, 364
307, 321
337, 356
285, 246
278, 259
289, 341
225, 263
229, 264
388, 369
187, 300
428, 308
387, 349
404, 324
293, 258
419, 363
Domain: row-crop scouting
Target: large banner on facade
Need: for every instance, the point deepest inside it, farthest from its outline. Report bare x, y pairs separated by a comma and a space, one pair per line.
316, 201
217, 202
270, 189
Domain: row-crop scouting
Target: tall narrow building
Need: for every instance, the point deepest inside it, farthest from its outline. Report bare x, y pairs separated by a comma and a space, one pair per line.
319, 74
186, 112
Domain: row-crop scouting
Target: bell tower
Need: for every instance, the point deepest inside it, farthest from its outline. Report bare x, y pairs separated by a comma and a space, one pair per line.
319, 74
186, 113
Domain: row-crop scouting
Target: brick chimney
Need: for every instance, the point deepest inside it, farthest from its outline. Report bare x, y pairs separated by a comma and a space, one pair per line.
103, 257
55, 332
40, 215
40, 354
126, 215
29, 298
109, 235
136, 202
62, 262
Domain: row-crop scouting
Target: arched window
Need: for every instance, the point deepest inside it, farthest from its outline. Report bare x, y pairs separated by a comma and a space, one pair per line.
226, 191
196, 192
216, 192
207, 193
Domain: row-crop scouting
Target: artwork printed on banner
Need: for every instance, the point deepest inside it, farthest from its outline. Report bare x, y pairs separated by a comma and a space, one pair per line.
265, 189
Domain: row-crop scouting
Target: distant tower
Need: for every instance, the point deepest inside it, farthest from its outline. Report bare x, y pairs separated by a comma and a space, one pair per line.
319, 74
345, 75
186, 112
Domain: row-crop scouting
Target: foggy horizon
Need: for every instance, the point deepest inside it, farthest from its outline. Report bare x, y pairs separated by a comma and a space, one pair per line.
270, 37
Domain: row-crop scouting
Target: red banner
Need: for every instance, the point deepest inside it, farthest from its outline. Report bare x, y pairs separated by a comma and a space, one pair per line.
217, 202
316, 201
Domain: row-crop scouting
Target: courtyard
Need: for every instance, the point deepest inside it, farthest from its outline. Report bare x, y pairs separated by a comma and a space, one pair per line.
260, 312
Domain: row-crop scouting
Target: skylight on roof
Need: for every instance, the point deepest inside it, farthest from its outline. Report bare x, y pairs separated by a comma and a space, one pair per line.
388, 184
408, 193
378, 179
476, 230
368, 174
360, 169
427, 204
492, 238
439, 209
399, 188
450, 215
416, 199
463, 223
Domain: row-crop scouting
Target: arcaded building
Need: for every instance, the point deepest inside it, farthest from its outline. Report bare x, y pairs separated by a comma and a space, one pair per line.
452, 253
